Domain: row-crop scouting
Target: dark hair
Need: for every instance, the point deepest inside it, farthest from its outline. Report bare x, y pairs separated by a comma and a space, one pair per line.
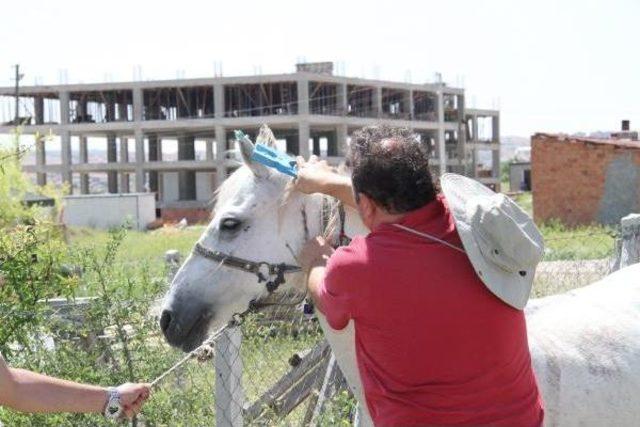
391, 166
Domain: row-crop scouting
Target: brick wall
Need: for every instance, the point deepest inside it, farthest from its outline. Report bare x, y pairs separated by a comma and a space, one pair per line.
583, 181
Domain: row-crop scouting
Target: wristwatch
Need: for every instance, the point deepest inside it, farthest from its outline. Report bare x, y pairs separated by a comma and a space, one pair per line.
113, 410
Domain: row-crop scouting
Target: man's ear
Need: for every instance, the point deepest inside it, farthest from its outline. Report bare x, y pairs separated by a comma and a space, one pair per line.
367, 205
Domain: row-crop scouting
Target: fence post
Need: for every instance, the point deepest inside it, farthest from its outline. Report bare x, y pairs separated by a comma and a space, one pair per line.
229, 396
628, 251
172, 259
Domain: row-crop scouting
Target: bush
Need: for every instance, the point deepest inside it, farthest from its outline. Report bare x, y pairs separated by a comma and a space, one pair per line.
31, 259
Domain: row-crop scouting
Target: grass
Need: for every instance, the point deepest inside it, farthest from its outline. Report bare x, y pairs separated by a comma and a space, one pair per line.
188, 399
525, 201
265, 358
138, 249
138, 246
580, 243
571, 243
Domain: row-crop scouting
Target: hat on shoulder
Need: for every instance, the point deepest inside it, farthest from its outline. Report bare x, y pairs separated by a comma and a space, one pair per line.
501, 240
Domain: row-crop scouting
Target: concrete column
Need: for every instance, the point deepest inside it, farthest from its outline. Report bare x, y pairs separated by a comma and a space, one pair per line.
474, 162
462, 148
154, 154
187, 178
377, 101
123, 112
474, 127
84, 159
110, 111
124, 158
495, 138
38, 107
341, 99
65, 155
139, 137
442, 152
81, 111
209, 149
218, 100
303, 97
408, 102
341, 136
291, 142
221, 143
138, 107
112, 176
64, 107
316, 145
332, 144
303, 139
221, 148
41, 177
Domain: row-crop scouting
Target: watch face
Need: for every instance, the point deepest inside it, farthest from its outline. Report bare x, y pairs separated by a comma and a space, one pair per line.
113, 409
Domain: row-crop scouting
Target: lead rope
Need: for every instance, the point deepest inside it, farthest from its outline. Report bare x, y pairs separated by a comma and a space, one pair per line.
205, 350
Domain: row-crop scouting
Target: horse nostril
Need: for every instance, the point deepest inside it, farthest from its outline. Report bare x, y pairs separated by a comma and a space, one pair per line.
165, 320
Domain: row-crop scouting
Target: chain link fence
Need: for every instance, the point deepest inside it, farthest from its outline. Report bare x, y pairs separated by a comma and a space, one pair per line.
274, 367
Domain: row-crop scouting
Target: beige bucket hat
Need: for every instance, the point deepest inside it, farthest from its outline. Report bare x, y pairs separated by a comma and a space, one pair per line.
501, 240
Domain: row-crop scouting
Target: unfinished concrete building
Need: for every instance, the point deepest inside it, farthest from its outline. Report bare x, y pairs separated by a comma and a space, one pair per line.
310, 111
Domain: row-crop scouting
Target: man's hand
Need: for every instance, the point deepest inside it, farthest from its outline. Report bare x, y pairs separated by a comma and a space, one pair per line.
315, 253
314, 176
132, 397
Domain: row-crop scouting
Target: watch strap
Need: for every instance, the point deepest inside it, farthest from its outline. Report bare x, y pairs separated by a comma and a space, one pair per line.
113, 409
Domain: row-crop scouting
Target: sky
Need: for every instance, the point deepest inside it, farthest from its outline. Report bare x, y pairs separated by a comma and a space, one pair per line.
549, 66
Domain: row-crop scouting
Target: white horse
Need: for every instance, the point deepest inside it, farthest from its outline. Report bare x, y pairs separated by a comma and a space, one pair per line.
585, 344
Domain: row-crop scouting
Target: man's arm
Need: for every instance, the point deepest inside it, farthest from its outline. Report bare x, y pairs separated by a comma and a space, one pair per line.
316, 275
27, 391
317, 176
333, 303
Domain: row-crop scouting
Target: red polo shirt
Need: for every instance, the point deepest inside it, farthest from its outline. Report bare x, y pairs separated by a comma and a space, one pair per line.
434, 346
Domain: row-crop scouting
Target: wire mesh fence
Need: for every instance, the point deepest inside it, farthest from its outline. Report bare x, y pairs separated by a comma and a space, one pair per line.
273, 368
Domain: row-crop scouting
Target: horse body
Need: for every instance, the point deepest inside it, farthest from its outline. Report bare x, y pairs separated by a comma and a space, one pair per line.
585, 344
585, 349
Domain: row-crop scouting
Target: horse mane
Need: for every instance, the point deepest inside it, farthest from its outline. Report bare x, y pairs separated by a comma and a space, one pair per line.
331, 216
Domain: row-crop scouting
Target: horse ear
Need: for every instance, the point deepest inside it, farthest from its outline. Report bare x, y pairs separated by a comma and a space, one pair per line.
266, 137
246, 150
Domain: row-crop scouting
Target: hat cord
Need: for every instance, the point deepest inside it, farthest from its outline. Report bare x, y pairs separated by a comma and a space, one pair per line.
428, 236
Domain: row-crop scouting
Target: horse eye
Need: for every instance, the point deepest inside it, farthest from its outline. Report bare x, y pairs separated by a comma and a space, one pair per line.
230, 224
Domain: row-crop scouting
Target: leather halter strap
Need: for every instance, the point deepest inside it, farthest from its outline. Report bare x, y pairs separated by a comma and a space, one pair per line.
271, 273
262, 269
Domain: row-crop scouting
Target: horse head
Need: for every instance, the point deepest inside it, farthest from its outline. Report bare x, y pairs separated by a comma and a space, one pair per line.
256, 218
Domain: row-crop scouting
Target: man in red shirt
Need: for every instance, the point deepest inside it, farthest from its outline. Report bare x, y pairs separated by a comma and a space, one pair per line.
434, 345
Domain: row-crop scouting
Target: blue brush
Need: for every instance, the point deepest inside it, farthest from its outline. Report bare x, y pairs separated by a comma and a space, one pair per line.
272, 158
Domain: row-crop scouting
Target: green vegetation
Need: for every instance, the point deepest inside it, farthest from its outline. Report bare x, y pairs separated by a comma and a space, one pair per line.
581, 243
571, 243
116, 338
504, 176
525, 201
136, 248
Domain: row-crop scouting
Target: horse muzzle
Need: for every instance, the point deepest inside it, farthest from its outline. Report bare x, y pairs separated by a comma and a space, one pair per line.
185, 329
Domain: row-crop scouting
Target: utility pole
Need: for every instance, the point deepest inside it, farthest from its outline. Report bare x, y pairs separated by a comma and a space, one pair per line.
18, 78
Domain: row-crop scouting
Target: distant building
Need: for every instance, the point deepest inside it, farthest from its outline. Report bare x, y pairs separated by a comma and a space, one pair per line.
625, 132
520, 170
582, 180
310, 111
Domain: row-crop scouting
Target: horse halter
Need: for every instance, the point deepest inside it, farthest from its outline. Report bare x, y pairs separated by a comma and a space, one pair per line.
271, 273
